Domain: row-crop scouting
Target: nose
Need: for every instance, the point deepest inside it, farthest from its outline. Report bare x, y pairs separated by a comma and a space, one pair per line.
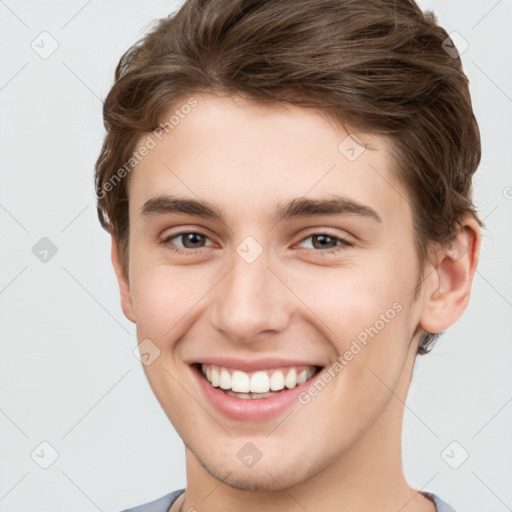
250, 301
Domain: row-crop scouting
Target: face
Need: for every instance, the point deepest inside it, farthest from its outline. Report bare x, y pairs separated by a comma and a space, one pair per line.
278, 256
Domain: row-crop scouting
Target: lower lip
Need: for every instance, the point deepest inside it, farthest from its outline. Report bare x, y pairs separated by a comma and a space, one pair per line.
249, 409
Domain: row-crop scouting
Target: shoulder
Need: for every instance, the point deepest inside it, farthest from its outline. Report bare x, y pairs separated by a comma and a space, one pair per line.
441, 506
160, 505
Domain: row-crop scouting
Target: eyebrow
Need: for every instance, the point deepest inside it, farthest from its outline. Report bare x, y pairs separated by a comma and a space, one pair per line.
297, 208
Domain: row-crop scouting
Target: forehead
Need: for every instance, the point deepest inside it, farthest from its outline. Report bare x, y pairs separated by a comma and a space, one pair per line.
247, 157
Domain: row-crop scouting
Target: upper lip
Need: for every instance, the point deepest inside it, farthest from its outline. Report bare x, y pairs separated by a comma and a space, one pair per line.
253, 365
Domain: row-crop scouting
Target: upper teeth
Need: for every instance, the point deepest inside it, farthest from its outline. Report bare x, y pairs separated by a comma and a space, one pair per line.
257, 382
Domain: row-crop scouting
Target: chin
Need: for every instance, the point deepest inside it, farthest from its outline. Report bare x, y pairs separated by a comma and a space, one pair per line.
260, 481
264, 476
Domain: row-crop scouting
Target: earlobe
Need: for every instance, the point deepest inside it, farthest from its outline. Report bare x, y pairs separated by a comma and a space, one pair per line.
451, 279
122, 280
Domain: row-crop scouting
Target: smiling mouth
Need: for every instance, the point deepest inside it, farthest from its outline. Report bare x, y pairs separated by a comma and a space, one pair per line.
258, 384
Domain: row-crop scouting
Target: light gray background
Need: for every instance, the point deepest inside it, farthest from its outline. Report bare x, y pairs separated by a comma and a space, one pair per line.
68, 374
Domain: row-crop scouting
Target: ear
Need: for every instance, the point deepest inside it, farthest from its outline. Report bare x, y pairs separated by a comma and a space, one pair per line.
122, 280
448, 286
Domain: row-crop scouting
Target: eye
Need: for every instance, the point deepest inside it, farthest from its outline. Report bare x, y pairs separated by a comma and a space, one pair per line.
190, 240
326, 243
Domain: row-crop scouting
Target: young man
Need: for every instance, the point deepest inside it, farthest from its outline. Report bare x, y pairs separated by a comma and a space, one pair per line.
288, 189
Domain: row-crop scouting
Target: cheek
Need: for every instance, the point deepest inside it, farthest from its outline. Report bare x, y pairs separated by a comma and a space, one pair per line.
164, 296
366, 315
350, 299
368, 321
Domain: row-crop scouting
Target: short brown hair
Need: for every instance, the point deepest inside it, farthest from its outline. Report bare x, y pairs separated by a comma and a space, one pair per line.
379, 66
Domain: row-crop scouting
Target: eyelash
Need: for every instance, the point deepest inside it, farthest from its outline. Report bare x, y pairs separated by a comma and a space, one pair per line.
189, 252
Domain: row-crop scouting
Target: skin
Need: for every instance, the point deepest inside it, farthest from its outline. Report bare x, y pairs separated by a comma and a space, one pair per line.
293, 301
